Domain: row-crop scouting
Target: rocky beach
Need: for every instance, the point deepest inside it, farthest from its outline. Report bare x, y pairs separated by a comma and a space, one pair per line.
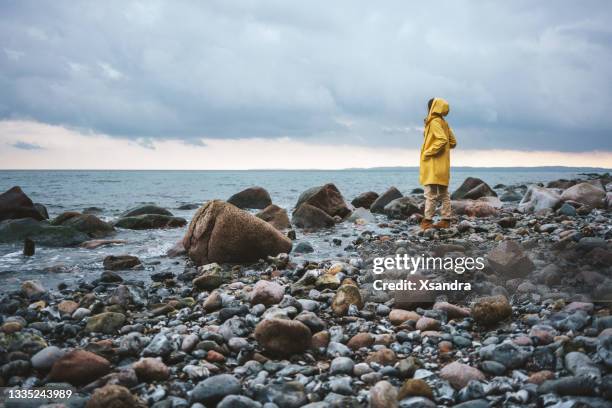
240, 316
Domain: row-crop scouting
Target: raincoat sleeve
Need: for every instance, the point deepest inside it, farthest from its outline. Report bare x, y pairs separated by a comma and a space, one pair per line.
439, 139
452, 140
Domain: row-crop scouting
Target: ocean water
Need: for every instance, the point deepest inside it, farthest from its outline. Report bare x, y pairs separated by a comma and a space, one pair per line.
116, 191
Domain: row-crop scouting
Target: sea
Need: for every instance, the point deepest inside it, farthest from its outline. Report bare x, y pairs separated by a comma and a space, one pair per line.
115, 191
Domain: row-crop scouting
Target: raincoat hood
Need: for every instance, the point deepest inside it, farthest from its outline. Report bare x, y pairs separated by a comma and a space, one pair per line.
439, 107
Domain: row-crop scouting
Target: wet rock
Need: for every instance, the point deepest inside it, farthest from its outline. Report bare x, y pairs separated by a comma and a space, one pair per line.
586, 194
415, 388
326, 198
507, 353
364, 200
107, 322
399, 316
211, 276
490, 310
383, 395
151, 369
45, 358
473, 188
275, 216
238, 401
378, 206
509, 260
252, 197
311, 217
539, 198
150, 221
282, 336
114, 396
146, 209
568, 386
510, 196
214, 389
459, 375
220, 232
32, 288
97, 243
361, 216
79, 367
580, 364
114, 263
303, 248
41, 232
346, 295
15, 204
267, 293
87, 223
402, 208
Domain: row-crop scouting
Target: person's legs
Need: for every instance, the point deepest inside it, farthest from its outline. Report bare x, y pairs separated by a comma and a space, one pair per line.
430, 207
446, 211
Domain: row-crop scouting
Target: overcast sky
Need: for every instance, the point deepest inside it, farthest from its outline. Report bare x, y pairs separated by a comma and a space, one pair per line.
519, 75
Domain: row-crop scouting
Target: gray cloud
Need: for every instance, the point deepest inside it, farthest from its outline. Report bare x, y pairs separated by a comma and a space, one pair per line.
26, 146
522, 75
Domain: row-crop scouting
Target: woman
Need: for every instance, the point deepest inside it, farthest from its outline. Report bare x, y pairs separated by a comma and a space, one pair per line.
435, 164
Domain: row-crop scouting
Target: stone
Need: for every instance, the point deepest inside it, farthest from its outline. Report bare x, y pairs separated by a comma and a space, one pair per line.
310, 319
97, 243
360, 340
415, 388
213, 389
580, 364
150, 221
238, 401
41, 232
459, 374
32, 288
539, 198
289, 394
509, 260
540, 376
383, 356
567, 210
452, 311
568, 386
326, 198
210, 277
114, 396
507, 353
412, 299
107, 322
480, 208
402, 208
303, 248
220, 232
378, 206
383, 395
490, 310
310, 217
267, 293
346, 295
275, 216
114, 263
213, 302
87, 223
15, 204
282, 336
252, 197
79, 367
45, 358
364, 200
473, 188
29, 247
159, 346
507, 222
361, 216
146, 209
586, 194
399, 316
151, 369
427, 323
493, 367
341, 365
67, 307
510, 196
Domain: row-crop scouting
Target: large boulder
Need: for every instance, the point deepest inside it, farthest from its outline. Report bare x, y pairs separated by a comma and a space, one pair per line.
41, 232
473, 188
275, 216
14, 204
311, 217
539, 198
326, 198
87, 223
364, 200
391, 194
586, 194
150, 221
146, 209
402, 208
509, 260
221, 232
252, 197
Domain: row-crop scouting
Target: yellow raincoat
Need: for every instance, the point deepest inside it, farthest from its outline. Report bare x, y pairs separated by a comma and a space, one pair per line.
439, 139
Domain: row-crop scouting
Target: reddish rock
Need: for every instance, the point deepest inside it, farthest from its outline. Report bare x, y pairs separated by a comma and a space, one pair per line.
282, 336
541, 376
320, 339
14, 204
399, 316
491, 309
427, 324
326, 198
383, 395
360, 340
114, 396
415, 388
151, 369
79, 367
383, 356
275, 216
459, 375
267, 293
452, 311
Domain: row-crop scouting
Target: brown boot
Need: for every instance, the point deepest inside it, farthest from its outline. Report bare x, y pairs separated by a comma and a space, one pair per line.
442, 224
426, 224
